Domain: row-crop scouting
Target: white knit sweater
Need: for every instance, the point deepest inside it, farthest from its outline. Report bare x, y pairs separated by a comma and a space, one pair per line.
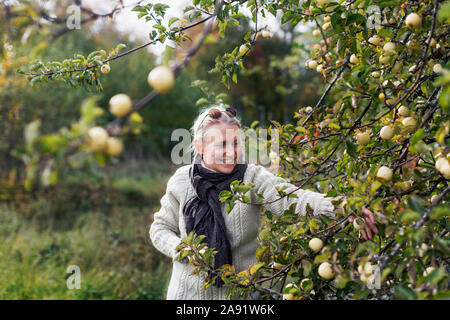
242, 225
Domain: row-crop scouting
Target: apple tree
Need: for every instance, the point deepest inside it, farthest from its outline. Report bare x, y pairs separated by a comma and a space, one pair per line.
377, 137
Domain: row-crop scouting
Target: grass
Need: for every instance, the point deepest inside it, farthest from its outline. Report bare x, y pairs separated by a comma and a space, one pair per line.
98, 222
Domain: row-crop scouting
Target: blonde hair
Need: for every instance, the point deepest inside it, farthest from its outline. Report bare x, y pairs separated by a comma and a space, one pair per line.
203, 122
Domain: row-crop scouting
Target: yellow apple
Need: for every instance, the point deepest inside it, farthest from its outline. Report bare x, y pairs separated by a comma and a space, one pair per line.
363, 138
105, 69
386, 133
120, 104
308, 109
382, 96
375, 74
403, 111
315, 244
319, 68
437, 68
384, 59
97, 137
161, 79
359, 223
114, 146
409, 122
288, 296
312, 64
390, 102
443, 166
384, 173
326, 271
413, 20
375, 40
277, 266
388, 47
354, 59
265, 34
326, 26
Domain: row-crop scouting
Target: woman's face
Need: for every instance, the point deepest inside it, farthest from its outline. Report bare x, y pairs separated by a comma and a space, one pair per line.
221, 147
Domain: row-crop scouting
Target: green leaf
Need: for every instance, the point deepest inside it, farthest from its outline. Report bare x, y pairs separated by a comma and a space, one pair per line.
405, 292
440, 211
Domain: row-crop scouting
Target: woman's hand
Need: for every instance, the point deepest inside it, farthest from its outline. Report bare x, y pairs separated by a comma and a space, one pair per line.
369, 220
370, 223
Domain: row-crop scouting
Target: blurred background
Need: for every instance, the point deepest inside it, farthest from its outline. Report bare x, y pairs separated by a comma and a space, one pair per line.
98, 217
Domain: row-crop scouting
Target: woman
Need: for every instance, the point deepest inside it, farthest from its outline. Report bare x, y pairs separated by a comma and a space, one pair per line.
191, 203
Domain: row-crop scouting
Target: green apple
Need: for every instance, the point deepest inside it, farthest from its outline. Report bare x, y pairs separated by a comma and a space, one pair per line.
437, 68
161, 79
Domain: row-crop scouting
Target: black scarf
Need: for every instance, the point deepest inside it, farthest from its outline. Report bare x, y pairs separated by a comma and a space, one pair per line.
203, 213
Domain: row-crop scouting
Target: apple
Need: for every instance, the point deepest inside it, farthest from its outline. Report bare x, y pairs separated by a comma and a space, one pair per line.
386, 133
376, 74
327, 19
265, 34
114, 146
319, 68
397, 67
97, 137
312, 64
409, 122
308, 109
413, 20
120, 104
326, 271
437, 68
384, 173
443, 166
384, 59
316, 33
433, 197
403, 111
388, 47
390, 102
326, 26
277, 266
243, 49
363, 138
315, 244
161, 79
375, 40
105, 69
288, 296
354, 59
382, 96
359, 224
433, 43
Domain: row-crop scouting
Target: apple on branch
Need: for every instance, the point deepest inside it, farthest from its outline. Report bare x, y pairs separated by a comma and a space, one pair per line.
161, 79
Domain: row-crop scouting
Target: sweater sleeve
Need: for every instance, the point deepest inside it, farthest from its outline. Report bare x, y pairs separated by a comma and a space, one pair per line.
265, 182
164, 231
